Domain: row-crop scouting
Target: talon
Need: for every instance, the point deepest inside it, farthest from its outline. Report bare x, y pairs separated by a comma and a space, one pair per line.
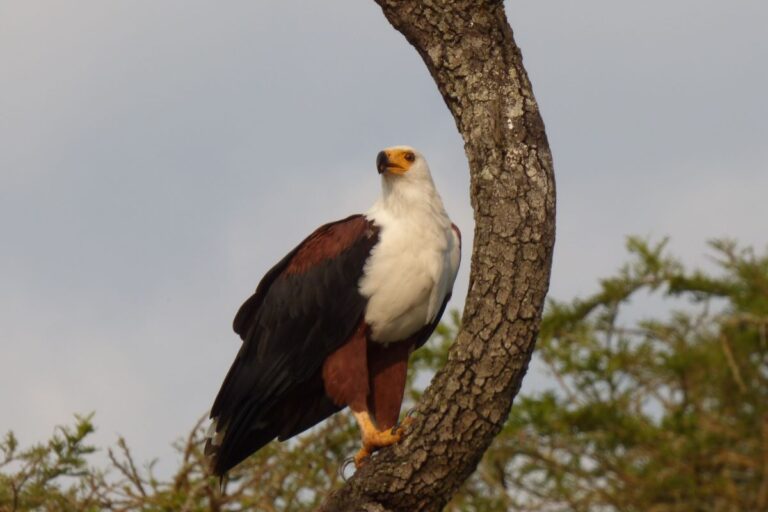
345, 465
400, 428
361, 457
402, 425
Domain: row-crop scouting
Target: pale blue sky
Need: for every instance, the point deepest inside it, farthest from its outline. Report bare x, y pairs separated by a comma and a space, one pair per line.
157, 157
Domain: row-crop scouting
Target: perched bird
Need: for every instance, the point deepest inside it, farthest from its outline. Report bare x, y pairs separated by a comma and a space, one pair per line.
333, 323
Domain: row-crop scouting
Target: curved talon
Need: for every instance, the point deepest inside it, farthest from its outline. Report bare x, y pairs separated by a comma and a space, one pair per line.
345, 465
410, 413
400, 428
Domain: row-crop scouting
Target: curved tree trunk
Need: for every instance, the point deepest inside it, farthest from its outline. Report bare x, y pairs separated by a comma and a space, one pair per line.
470, 52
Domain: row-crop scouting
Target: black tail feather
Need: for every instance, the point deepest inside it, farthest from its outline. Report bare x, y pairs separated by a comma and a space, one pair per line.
249, 431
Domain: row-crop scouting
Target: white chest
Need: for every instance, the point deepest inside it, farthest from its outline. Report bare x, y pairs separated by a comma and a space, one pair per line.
408, 275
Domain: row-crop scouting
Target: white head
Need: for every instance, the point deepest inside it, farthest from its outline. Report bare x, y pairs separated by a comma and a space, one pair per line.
402, 167
405, 179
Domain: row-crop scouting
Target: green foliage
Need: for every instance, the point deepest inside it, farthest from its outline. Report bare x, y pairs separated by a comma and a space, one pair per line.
663, 414
282, 476
36, 473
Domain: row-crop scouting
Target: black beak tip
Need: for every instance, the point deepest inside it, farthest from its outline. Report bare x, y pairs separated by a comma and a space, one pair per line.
381, 162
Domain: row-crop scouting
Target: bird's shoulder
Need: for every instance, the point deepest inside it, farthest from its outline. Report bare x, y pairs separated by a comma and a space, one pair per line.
329, 240
326, 243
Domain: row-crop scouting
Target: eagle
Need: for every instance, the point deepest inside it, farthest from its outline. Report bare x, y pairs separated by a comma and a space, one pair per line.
333, 323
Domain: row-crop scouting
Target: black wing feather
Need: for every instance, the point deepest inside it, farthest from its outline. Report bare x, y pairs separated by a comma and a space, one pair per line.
289, 326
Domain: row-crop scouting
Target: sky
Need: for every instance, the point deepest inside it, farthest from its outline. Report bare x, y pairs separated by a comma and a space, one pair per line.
156, 158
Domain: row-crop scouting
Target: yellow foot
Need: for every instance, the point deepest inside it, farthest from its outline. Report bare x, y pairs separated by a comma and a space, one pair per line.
361, 457
374, 439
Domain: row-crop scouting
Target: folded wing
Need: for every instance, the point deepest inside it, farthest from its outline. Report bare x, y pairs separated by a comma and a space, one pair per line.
303, 309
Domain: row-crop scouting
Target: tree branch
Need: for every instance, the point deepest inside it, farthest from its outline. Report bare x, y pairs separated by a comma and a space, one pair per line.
469, 49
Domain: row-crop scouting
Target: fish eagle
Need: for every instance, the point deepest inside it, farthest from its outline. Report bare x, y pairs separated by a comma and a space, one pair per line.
333, 323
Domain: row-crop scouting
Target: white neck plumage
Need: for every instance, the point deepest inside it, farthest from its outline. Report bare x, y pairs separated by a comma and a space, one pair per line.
411, 198
412, 267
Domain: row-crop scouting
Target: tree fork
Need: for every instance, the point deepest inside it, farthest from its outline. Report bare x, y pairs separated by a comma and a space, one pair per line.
470, 52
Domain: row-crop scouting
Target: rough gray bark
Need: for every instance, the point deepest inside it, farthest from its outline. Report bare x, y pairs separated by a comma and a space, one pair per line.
470, 52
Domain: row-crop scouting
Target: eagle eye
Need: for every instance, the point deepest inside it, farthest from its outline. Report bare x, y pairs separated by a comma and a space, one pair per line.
410, 156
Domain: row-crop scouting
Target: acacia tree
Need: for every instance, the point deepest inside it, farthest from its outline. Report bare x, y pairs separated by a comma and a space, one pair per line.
469, 49
661, 414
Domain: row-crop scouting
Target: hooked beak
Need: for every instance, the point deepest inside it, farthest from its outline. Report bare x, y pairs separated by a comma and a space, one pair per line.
381, 162
384, 164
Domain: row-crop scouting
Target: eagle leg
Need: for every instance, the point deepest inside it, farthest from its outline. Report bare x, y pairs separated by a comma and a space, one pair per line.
373, 438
